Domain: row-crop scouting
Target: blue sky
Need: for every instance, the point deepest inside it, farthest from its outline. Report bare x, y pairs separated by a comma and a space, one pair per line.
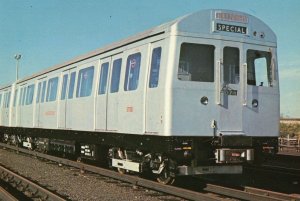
48, 32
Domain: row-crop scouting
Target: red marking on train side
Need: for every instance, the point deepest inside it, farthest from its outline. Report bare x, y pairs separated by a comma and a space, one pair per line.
50, 113
129, 109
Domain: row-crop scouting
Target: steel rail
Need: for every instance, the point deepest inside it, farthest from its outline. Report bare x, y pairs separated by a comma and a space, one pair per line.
179, 192
247, 194
4, 195
27, 185
251, 194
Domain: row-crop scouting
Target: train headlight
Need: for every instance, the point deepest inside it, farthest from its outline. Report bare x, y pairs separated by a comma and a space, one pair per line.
204, 100
254, 103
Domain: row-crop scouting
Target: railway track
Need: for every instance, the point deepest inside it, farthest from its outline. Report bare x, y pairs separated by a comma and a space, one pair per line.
28, 188
208, 192
5, 195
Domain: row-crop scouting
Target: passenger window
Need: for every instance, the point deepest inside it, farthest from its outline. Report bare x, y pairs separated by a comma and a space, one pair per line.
20, 96
85, 82
38, 92
43, 91
64, 87
259, 71
155, 65
103, 78
231, 62
4, 100
24, 96
30, 93
52, 89
132, 72
15, 97
72, 85
7, 99
196, 63
115, 80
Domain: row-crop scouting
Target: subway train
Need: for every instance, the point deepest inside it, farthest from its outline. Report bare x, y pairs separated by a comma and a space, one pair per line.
197, 95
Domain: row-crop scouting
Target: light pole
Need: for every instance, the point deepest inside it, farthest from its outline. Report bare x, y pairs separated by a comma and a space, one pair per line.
17, 57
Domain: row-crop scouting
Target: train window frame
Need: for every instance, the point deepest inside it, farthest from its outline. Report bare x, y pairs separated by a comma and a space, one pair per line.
24, 96
64, 87
20, 96
253, 77
116, 74
15, 97
85, 82
7, 99
29, 95
103, 78
38, 92
155, 67
43, 91
52, 89
4, 101
231, 71
186, 67
132, 72
72, 85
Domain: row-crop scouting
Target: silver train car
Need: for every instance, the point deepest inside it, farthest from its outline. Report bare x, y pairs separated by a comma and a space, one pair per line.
197, 95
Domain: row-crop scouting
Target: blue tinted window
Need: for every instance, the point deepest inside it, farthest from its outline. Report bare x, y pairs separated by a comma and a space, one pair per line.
132, 72
4, 100
38, 92
155, 65
15, 97
52, 89
29, 96
24, 95
115, 80
103, 78
20, 96
7, 99
64, 87
85, 82
72, 84
43, 92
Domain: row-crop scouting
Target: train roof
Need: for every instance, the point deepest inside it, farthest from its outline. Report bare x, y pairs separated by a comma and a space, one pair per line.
202, 22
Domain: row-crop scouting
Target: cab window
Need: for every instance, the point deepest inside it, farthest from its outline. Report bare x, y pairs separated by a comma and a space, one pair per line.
259, 71
231, 61
196, 63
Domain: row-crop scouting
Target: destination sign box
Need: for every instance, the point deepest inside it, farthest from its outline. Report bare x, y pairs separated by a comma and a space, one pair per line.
231, 28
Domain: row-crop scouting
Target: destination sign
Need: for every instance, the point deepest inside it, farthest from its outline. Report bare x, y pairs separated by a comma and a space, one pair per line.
231, 28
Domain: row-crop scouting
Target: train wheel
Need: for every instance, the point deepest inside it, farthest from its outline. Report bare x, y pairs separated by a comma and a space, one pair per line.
165, 177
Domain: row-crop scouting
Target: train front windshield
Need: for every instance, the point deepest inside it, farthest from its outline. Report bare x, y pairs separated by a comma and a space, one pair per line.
259, 71
196, 63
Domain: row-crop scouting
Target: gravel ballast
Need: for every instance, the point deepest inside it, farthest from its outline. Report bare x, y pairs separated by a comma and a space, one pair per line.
73, 184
